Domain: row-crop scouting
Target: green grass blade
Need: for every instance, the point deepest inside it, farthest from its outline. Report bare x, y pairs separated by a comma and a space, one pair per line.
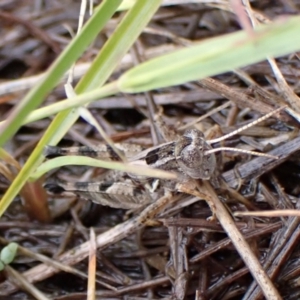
62, 64
88, 161
104, 64
214, 56
118, 45
115, 48
79, 100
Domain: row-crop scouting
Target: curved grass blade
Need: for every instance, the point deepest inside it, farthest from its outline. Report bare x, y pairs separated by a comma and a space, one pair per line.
88, 161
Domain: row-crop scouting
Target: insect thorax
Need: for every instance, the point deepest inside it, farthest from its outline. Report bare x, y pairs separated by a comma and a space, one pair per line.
190, 155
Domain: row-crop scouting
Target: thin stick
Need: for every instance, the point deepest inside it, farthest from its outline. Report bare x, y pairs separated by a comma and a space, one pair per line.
211, 112
269, 214
241, 244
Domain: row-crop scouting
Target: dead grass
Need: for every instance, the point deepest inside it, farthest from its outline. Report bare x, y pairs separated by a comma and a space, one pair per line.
184, 256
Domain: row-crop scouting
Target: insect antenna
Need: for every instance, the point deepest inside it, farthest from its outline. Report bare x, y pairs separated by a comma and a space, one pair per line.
208, 152
222, 138
226, 136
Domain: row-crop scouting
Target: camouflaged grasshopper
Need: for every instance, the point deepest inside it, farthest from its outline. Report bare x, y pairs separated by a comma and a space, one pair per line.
188, 155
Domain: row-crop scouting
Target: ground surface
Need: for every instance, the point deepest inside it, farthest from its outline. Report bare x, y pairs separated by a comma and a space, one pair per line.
184, 256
